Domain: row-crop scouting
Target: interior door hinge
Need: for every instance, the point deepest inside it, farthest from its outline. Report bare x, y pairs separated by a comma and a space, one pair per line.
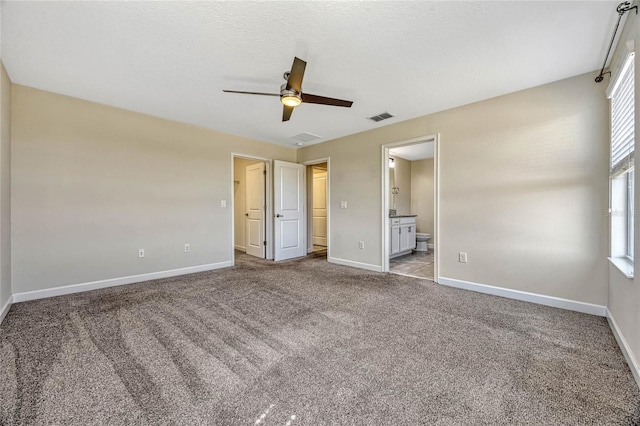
264, 172
264, 243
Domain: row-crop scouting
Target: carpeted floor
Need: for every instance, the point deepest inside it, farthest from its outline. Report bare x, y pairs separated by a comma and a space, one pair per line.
306, 342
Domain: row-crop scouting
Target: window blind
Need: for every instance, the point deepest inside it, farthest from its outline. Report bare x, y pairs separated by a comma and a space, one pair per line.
623, 119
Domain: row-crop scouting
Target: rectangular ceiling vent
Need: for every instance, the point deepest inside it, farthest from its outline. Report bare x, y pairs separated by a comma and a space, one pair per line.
306, 137
380, 117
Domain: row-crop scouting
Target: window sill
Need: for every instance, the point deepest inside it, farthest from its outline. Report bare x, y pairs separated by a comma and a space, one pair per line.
623, 264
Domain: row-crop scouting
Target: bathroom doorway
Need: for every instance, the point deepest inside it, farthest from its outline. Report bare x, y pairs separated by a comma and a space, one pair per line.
410, 207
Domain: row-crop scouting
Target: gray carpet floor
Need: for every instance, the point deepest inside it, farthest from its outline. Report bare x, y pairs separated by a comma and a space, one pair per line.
306, 342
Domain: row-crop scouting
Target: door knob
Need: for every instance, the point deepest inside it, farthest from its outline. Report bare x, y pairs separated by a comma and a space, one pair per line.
279, 215
246, 214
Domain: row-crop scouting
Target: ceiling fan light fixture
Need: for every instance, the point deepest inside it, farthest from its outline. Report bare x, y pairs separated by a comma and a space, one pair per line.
291, 100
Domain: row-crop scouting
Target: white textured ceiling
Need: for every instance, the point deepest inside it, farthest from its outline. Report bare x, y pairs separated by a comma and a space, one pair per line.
172, 59
419, 151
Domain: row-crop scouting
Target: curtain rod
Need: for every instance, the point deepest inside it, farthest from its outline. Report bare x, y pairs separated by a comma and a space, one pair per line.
622, 8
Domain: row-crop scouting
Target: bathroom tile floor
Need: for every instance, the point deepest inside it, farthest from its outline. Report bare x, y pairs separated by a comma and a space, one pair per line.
417, 264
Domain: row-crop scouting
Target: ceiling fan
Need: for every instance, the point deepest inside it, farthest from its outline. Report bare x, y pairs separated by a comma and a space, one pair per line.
291, 94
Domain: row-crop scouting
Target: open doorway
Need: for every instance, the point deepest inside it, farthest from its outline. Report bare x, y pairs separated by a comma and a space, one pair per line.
410, 207
251, 206
318, 207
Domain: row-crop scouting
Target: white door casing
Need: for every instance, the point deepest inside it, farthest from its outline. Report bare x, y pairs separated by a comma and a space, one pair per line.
255, 210
320, 208
289, 212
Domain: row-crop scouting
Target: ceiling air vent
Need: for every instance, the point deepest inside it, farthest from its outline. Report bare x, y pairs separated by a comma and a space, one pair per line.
380, 117
306, 137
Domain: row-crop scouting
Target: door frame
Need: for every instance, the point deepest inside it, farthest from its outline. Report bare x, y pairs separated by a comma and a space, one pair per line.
309, 203
268, 196
435, 138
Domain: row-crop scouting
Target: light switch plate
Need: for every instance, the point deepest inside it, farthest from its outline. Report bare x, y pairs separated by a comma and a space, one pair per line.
223, 203
343, 204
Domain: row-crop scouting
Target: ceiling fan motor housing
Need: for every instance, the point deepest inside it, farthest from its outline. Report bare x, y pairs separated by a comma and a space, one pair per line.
291, 95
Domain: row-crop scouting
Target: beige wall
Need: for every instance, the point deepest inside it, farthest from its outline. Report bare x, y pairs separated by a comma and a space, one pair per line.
523, 181
402, 180
92, 184
422, 205
624, 293
5, 186
239, 188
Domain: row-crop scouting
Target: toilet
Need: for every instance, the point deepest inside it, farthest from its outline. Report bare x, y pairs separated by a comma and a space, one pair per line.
421, 241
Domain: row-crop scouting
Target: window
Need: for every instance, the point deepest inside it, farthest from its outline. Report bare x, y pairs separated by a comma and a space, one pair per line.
622, 95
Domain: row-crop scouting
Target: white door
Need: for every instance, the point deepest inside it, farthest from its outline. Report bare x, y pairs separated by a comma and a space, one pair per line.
404, 237
319, 207
290, 221
407, 237
395, 239
255, 204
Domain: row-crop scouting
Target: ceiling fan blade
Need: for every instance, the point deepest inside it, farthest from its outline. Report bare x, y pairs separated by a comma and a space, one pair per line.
251, 93
295, 75
286, 112
315, 99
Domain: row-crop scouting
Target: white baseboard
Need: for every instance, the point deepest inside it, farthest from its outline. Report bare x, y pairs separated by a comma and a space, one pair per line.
95, 285
624, 347
541, 299
241, 248
5, 309
354, 264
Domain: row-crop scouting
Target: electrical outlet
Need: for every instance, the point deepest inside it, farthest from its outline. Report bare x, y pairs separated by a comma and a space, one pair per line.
223, 203
187, 248
140, 252
462, 257
361, 245
343, 204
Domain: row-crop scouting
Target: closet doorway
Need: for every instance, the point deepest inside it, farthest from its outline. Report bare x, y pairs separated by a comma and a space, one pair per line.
318, 212
251, 206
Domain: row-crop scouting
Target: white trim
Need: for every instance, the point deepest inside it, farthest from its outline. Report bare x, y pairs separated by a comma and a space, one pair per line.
5, 308
241, 248
634, 366
113, 282
354, 264
436, 204
625, 265
540, 299
311, 163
